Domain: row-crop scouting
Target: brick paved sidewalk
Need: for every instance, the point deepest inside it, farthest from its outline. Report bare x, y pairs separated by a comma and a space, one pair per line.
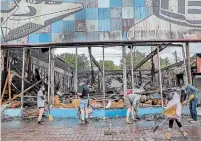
70, 130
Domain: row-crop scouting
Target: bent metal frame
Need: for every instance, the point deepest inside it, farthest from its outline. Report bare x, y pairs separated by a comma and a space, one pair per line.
105, 44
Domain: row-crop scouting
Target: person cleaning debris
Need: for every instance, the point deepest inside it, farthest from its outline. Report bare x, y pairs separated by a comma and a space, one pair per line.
191, 90
176, 104
41, 103
83, 92
132, 101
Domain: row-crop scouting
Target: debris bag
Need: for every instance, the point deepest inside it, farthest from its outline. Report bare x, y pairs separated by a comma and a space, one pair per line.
75, 103
96, 104
56, 100
118, 104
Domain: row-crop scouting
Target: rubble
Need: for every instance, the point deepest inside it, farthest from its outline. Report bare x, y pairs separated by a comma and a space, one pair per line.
65, 96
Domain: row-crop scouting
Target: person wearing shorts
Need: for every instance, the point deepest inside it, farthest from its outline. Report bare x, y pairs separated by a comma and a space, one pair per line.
83, 92
131, 101
41, 103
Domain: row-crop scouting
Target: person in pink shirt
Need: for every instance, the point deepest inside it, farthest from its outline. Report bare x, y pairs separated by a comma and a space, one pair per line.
175, 101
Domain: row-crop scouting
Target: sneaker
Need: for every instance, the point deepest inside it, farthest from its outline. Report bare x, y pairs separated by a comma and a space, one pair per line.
193, 121
190, 119
40, 123
86, 121
133, 120
82, 122
184, 133
168, 135
129, 122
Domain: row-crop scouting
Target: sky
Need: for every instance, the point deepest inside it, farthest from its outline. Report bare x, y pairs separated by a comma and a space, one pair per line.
115, 53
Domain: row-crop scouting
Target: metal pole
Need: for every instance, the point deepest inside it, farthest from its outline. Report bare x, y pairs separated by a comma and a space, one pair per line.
104, 76
160, 79
49, 75
132, 77
185, 66
76, 70
52, 75
124, 70
188, 64
22, 87
1, 66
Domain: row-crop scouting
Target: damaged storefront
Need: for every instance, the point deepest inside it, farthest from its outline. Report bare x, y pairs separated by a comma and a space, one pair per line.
107, 87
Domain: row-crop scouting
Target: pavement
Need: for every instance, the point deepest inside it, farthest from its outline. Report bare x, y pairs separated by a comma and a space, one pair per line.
97, 130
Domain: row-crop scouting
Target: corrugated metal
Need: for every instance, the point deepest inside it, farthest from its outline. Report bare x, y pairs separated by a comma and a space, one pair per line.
66, 21
127, 12
116, 35
92, 36
92, 3
127, 23
104, 36
115, 13
104, 25
92, 25
80, 36
116, 24
80, 25
127, 3
91, 13
103, 13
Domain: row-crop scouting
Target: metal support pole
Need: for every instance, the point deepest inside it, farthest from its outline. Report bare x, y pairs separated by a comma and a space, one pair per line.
185, 66
104, 76
188, 64
76, 83
132, 77
124, 70
52, 75
22, 87
160, 79
1, 66
49, 74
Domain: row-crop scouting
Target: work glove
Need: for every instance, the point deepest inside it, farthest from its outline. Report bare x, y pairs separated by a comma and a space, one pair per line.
184, 102
135, 108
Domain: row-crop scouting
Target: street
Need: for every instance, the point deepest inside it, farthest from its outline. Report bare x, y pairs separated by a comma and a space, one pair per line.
96, 130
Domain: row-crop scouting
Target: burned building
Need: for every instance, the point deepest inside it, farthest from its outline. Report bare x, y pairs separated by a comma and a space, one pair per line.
36, 68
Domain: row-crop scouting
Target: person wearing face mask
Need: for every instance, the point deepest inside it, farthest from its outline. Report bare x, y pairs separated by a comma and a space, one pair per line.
41, 103
175, 101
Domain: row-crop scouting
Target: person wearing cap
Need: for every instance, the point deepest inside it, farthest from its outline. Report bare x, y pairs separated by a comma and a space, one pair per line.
132, 101
41, 103
191, 90
83, 92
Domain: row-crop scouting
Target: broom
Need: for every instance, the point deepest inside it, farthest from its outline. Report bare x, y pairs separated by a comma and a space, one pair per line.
49, 114
172, 111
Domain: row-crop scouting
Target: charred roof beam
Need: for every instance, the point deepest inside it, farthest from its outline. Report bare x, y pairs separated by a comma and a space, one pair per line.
153, 53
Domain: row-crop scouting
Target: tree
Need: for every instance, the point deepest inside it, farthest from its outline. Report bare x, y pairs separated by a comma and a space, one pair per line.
82, 60
108, 65
138, 57
164, 62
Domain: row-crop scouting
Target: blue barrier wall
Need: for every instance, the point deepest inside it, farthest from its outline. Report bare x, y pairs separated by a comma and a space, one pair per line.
72, 113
